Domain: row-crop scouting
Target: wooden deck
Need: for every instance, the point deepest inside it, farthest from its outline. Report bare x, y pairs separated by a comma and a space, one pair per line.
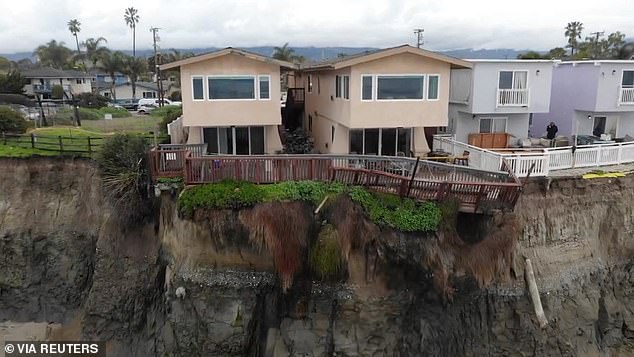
477, 190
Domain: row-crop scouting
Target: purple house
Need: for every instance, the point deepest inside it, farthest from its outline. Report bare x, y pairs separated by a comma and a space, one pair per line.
591, 98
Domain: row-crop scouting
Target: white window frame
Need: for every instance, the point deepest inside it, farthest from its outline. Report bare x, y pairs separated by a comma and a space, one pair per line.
268, 77
506, 124
426, 89
309, 83
229, 76
233, 137
372, 88
204, 86
376, 85
623, 75
513, 79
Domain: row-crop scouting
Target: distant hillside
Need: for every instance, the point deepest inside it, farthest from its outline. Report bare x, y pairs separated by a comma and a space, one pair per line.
319, 53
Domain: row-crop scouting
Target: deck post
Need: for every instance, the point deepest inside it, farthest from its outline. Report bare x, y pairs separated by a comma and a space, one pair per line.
479, 198
534, 293
411, 181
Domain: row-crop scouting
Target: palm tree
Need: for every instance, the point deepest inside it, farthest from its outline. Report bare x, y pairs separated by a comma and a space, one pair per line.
286, 53
112, 63
74, 28
134, 67
573, 32
53, 54
131, 18
94, 52
627, 51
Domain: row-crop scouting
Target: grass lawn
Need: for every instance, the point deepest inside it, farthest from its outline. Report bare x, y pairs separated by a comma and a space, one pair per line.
134, 124
68, 131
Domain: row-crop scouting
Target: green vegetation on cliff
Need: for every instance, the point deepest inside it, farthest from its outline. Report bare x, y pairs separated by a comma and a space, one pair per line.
383, 209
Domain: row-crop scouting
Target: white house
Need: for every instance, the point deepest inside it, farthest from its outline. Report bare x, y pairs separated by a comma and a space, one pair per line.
497, 97
143, 90
42, 80
592, 98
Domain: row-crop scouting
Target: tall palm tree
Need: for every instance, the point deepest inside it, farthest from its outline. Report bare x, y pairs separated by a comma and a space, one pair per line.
53, 54
112, 63
284, 53
573, 32
94, 52
131, 18
134, 67
74, 28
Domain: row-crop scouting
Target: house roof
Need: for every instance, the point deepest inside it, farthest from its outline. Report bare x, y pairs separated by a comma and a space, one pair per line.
147, 85
597, 62
347, 61
224, 52
491, 60
49, 72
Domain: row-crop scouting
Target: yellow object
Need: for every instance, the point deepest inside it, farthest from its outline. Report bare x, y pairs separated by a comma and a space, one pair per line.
603, 175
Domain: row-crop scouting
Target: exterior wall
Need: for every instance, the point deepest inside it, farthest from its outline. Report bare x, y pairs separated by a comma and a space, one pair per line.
609, 84
272, 143
485, 85
230, 112
391, 114
622, 123
461, 87
322, 99
322, 135
125, 91
626, 125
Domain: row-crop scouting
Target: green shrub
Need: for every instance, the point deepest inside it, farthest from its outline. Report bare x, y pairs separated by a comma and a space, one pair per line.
225, 194
311, 191
125, 175
405, 215
116, 112
326, 258
175, 96
169, 113
12, 121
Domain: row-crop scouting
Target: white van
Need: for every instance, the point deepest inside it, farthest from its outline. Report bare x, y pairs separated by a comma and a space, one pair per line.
156, 101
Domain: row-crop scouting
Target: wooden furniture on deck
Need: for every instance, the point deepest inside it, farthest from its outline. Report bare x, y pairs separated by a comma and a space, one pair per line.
489, 140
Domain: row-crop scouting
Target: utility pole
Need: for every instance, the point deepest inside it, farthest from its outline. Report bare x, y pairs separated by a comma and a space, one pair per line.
419, 37
595, 46
159, 82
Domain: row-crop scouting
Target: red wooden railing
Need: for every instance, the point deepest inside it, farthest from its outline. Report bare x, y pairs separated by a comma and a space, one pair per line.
476, 190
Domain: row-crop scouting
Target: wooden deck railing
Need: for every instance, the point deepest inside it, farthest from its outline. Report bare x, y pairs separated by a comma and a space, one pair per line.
432, 181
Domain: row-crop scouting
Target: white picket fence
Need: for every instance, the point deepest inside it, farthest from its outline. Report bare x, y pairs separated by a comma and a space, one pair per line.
544, 160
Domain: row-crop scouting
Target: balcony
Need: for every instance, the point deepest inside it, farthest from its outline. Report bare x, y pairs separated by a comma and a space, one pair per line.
626, 96
47, 88
513, 97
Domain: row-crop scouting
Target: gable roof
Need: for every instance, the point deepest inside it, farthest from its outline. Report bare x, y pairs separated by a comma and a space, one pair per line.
49, 72
368, 56
224, 52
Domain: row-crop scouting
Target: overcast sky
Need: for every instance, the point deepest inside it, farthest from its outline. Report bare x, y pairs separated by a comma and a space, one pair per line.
535, 24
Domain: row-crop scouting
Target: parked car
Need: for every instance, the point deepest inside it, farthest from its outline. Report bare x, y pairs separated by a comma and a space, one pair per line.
156, 101
129, 104
146, 109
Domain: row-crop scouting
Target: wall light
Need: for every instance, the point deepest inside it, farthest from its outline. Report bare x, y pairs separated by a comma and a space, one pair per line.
589, 117
537, 72
613, 71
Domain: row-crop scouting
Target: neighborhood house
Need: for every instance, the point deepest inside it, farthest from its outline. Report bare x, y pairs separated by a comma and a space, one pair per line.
41, 81
491, 104
378, 103
231, 101
592, 98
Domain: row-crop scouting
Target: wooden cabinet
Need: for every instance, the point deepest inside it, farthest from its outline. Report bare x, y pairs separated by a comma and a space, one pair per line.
489, 140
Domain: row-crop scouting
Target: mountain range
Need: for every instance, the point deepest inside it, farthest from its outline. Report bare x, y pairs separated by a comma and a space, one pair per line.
319, 53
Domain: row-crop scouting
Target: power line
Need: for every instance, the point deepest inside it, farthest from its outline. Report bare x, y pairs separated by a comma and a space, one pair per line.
419, 37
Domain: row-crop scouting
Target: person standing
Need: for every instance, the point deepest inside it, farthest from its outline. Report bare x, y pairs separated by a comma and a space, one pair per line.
551, 133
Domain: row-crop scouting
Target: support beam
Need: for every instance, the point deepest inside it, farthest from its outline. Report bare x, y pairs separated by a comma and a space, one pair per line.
534, 293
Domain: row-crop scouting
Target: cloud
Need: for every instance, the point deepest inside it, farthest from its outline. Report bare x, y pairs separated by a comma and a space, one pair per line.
377, 23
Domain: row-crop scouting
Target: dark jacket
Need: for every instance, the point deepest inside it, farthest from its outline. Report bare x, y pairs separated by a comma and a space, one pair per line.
551, 131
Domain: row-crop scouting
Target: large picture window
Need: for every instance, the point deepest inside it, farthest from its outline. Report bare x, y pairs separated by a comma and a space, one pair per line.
513, 80
492, 125
231, 87
381, 141
400, 87
198, 89
243, 140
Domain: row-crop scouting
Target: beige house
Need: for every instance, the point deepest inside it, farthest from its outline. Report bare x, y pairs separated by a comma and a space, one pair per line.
231, 101
42, 80
378, 103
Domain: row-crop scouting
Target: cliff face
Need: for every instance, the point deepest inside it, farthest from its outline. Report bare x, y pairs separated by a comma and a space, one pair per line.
211, 286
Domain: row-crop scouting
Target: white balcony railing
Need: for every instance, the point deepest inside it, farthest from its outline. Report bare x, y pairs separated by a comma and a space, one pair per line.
542, 161
626, 96
513, 97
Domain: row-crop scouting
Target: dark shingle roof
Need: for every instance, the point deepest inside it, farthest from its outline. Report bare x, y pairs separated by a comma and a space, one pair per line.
48, 72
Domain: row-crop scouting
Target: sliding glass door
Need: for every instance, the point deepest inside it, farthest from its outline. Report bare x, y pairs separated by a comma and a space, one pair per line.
381, 141
243, 140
